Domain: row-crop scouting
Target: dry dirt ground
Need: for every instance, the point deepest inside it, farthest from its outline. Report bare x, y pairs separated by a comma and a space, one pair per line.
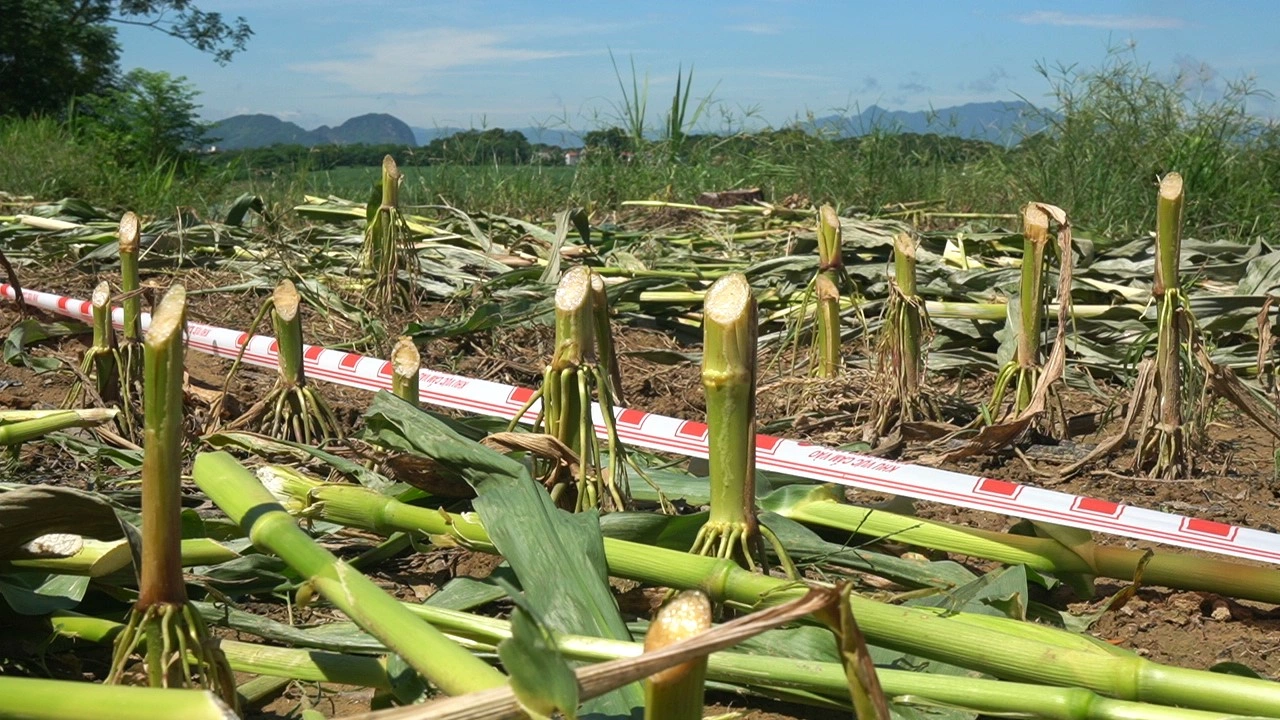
1235, 479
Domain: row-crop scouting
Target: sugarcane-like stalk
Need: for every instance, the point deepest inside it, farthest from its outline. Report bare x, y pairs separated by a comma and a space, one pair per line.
677, 693
828, 331
386, 238
129, 234
1024, 369
569, 383
827, 291
901, 358
1008, 649
292, 410
729, 326
239, 494
405, 366
20, 426
186, 656
1166, 440
822, 507
826, 679
103, 363
39, 699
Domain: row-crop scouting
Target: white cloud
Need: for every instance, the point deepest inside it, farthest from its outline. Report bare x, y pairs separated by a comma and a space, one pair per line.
405, 62
757, 28
1103, 21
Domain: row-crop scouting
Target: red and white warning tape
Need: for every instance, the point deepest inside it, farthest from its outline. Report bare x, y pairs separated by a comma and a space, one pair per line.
791, 457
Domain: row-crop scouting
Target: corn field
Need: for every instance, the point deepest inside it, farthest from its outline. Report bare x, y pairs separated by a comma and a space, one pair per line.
188, 536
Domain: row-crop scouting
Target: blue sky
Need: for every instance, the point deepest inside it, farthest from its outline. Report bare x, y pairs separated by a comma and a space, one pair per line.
473, 63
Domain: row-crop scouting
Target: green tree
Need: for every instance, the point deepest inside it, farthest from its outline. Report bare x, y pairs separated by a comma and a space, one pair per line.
151, 117
52, 51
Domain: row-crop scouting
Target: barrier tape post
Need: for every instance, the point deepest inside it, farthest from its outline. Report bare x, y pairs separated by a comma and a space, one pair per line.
689, 438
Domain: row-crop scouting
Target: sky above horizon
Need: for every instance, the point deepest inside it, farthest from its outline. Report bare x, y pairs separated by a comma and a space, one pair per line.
485, 63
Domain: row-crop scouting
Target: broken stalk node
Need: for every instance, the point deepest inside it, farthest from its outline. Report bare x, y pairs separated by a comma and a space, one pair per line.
732, 530
182, 653
292, 410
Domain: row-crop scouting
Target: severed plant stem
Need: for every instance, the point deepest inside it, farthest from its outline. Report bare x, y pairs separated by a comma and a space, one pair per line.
405, 365
569, 383
828, 337
678, 693
185, 656
240, 495
1035, 224
1168, 437
386, 236
292, 410
729, 381
827, 290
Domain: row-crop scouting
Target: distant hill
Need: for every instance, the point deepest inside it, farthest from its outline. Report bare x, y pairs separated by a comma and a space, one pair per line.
997, 122
250, 131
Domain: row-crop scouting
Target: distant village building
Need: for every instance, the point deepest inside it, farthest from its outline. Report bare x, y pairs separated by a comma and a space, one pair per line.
572, 157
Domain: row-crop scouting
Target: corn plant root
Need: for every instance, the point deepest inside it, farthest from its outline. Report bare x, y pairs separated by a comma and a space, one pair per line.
177, 648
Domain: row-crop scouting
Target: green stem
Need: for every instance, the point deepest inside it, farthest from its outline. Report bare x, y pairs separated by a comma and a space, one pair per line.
18, 432
161, 581
729, 383
1166, 569
38, 699
828, 365
129, 282
288, 326
991, 645
604, 337
239, 494
1169, 432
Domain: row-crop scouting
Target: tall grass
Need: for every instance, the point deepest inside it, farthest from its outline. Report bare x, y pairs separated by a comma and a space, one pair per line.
46, 159
1114, 130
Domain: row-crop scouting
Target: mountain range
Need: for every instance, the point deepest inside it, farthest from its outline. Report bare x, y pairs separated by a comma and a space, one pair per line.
997, 122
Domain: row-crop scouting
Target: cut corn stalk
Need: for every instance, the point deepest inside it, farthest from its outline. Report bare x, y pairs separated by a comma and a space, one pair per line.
1024, 368
37, 699
828, 680
239, 494
1163, 445
405, 367
292, 410
729, 381
187, 656
20, 426
1007, 649
822, 507
131, 299
677, 693
99, 558
569, 383
102, 363
901, 356
388, 249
